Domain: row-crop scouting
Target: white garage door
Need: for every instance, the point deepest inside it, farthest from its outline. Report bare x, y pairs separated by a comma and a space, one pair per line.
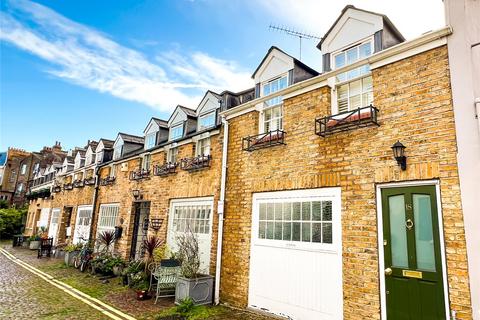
197, 215
295, 261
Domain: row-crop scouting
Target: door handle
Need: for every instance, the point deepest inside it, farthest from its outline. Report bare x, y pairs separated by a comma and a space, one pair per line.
388, 271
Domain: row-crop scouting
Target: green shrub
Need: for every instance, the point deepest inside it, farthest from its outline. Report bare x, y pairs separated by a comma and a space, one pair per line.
11, 222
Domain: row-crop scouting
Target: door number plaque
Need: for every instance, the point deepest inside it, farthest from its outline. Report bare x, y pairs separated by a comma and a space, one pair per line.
412, 274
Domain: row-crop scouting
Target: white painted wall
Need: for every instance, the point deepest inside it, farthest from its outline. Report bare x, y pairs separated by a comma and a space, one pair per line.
276, 64
353, 26
463, 17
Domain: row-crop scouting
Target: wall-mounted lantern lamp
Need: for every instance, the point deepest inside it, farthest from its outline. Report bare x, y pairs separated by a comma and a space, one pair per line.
136, 193
156, 223
399, 154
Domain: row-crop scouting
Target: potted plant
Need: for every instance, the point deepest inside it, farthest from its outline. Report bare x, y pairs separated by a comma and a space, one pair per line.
151, 244
132, 269
117, 265
191, 283
106, 239
141, 289
165, 257
71, 251
35, 242
59, 251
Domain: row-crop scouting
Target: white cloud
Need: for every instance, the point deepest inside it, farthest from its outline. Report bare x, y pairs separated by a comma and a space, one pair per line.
411, 17
86, 57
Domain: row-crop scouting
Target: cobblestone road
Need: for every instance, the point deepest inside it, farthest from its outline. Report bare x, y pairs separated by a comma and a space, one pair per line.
23, 295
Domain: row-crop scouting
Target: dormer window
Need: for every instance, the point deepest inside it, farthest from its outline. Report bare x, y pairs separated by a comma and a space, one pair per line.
88, 159
206, 121
176, 132
351, 55
150, 140
99, 157
117, 152
273, 86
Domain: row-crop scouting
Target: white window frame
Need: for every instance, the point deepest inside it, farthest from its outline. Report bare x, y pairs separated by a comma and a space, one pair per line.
203, 144
173, 129
176, 220
19, 187
150, 140
108, 215
172, 154
211, 114
337, 86
99, 156
88, 159
146, 161
23, 169
263, 122
306, 195
268, 82
117, 152
344, 50
113, 169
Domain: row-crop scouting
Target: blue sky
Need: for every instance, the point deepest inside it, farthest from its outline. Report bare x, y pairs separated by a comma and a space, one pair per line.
86, 69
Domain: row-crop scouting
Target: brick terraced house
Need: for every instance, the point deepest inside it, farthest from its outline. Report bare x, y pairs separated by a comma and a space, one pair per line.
313, 196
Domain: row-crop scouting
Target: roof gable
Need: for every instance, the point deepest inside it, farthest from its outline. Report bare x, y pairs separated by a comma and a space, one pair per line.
354, 25
209, 103
275, 63
180, 114
118, 141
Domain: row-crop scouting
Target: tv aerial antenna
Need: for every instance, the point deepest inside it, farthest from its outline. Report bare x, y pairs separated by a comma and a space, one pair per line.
294, 33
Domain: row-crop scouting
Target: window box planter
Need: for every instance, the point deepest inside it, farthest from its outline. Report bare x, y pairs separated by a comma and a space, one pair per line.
348, 120
78, 184
195, 163
68, 186
165, 169
199, 289
89, 181
107, 181
139, 175
264, 140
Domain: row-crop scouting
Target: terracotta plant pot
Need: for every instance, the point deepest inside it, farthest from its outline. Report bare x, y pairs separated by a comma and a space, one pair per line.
143, 295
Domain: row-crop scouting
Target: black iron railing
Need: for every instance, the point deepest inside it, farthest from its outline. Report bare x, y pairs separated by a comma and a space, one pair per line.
78, 184
195, 163
107, 181
68, 186
264, 140
89, 181
45, 193
56, 189
139, 174
348, 120
165, 169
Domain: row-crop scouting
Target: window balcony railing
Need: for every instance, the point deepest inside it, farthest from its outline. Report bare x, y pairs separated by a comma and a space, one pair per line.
56, 189
195, 163
78, 184
107, 181
140, 174
348, 120
264, 140
45, 193
68, 186
165, 169
89, 181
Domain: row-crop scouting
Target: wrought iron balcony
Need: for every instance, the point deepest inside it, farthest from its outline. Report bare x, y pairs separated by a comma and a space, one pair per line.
107, 181
89, 181
348, 120
140, 174
56, 189
165, 169
195, 163
264, 140
78, 184
68, 186
44, 193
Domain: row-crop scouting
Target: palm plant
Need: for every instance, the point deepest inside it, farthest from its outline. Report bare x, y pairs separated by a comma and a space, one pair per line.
189, 254
150, 244
106, 239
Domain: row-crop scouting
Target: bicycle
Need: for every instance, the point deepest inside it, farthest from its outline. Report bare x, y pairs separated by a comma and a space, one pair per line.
82, 260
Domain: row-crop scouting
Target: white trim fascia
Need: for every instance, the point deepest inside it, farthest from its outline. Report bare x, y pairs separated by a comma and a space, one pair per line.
394, 53
381, 252
190, 200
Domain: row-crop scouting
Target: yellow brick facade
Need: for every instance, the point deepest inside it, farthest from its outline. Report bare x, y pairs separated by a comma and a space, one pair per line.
160, 190
414, 99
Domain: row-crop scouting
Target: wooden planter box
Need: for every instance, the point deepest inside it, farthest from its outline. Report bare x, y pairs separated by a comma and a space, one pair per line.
200, 290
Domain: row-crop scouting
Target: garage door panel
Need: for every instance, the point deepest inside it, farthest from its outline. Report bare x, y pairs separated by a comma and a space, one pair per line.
297, 279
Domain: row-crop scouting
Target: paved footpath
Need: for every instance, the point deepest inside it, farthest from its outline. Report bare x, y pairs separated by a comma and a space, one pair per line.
24, 295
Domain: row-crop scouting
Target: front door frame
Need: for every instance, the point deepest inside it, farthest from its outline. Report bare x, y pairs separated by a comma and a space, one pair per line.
381, 261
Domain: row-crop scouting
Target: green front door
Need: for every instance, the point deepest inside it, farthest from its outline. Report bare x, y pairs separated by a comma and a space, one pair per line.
413, 268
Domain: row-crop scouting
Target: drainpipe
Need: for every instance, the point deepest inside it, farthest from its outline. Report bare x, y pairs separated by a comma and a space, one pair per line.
94, 204
221, 210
